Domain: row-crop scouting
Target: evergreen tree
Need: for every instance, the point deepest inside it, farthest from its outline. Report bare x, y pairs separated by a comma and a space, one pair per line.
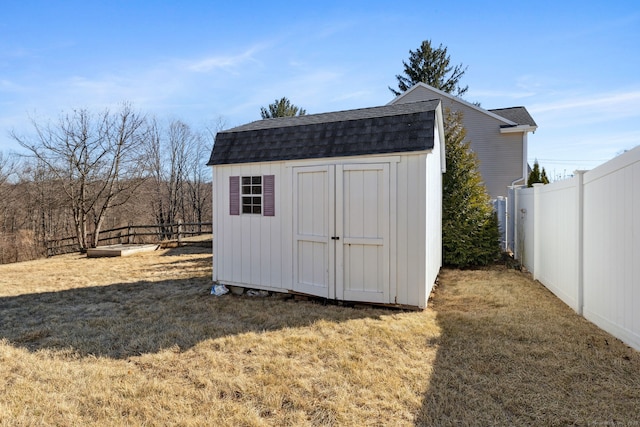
536, 176
431, 66
281, 108
470, 233
543, 176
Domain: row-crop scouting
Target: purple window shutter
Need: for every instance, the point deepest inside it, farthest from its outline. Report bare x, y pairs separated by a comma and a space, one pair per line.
234, 195
268, 187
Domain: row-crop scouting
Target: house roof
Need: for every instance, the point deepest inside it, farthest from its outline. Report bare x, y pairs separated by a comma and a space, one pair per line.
512, 117
377, 130
518, 115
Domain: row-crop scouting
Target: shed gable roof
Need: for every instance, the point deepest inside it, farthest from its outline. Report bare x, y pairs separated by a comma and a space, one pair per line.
377, 130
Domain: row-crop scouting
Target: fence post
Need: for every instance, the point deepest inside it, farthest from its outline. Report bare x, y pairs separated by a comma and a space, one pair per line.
536, 230
580, 240
179, 231
516, 223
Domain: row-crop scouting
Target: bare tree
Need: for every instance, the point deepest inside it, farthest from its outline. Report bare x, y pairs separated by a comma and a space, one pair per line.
6, 218
42, 204
199, 180
95, 158
181, 181
171, 152
123, 173
7, 168
199, 183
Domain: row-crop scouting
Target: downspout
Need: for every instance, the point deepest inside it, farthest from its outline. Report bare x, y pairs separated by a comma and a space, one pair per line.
513, 186
524, 160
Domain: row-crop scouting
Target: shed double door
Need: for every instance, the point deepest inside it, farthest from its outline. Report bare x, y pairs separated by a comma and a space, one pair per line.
341, 231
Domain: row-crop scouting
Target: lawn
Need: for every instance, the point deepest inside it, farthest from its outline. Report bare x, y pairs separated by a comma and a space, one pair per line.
140, 341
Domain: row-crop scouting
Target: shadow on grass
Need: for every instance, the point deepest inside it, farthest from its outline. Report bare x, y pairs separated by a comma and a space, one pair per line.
129, 319
189, 249
511, 353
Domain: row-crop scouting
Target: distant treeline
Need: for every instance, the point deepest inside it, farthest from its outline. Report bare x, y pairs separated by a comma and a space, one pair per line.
90, 172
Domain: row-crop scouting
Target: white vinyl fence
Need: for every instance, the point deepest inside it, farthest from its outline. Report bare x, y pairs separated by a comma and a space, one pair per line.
581, 239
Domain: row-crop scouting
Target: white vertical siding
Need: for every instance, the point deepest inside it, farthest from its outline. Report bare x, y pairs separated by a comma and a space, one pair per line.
402, 230
410, 226
257, 251
433, 220
252, 249
418, 226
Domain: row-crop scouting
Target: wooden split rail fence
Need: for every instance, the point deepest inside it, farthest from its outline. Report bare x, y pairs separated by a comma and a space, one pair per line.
134, 234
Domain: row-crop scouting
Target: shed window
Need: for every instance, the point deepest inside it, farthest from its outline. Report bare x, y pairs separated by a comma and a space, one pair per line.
252, 195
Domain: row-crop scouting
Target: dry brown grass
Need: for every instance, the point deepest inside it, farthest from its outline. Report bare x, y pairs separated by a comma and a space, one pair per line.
139, 341
511, 353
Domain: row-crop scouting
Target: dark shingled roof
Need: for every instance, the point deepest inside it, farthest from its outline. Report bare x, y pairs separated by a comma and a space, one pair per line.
377, 130
519, 115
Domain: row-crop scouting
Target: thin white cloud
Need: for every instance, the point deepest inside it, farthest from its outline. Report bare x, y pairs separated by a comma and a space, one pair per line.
530, 82
629, 20
9, 86
205, 65
500, 94
524, 86
615, 110
97, 91
168, 86
355, 95
622, 102
334, 28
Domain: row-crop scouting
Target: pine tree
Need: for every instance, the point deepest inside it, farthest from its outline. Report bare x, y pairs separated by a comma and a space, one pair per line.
431, 66
281, 108
470, 233
536, 176
543, 176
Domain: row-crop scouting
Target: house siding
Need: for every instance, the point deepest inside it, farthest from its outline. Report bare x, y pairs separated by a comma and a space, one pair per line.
500, 155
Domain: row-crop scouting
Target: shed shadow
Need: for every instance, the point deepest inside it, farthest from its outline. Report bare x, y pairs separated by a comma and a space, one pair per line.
511, 353
129, 319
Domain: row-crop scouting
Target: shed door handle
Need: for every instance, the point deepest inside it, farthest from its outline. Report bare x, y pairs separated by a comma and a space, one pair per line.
335, 238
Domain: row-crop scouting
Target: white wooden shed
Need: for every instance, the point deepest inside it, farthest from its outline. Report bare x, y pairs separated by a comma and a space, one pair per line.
343, 205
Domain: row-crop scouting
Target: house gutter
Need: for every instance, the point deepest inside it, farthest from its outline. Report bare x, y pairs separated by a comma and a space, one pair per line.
518, 128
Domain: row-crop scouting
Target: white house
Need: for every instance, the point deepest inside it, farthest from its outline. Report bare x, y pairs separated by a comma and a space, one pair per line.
499, 137
343, 205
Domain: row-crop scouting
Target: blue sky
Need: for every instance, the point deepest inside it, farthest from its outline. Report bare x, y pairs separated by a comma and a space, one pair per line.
575, 65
